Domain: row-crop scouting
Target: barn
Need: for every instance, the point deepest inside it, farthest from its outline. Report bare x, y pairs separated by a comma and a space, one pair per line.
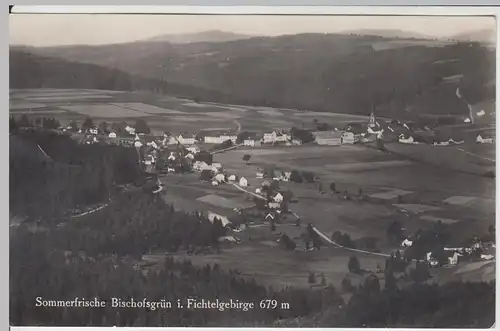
330, 138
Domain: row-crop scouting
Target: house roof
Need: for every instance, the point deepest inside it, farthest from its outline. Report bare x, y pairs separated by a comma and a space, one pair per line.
328, 134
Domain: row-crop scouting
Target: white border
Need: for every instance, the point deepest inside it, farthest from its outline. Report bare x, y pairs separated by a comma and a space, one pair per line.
261, 10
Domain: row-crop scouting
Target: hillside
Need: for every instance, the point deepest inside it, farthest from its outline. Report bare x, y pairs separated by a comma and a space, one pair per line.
28, 70
323, 72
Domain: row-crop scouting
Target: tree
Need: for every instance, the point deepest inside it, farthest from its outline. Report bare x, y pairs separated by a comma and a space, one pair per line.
104, 127
242, 136
394, 232
142, 127
347, 285
12, 124
24, 121
333, 187
87, 124
311, 278
308, 176
73, 126
323, 279
295, 176
353, 265
246, 158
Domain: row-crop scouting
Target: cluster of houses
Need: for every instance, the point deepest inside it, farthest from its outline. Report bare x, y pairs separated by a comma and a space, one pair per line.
452, 255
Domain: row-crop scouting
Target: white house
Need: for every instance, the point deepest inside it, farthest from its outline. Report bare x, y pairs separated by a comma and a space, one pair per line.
243, 182
93, 131
130, 130
275, 137
260, 174
171, 157
186, 140
487, 257
286, 176
211, 216
217, 166
296, 142
406, 243
348, 138
404, 140
431, 260
232, 178
258, 191
193, 149
278, 197
152, 144
190, 156
138, 144
197, 165
453, 260
273, 205
112, 135
251, 143
212, 140
220, 178
482, 140
215, 183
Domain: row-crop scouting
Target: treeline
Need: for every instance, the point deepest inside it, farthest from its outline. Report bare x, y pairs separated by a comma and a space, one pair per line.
417, 305
51, 173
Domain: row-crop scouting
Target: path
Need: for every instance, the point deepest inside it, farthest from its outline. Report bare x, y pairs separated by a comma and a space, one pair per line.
476, 155
226, 149
321, 234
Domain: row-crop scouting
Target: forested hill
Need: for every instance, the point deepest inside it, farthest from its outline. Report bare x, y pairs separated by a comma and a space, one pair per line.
29, 70
323, 72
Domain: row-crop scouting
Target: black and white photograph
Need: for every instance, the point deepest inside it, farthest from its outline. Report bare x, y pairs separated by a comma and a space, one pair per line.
252, 170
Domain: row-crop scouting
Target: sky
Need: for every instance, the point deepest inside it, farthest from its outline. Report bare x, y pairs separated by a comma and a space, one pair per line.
92, 29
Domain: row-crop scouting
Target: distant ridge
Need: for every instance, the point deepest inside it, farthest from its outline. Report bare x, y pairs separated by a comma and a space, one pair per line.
205, 36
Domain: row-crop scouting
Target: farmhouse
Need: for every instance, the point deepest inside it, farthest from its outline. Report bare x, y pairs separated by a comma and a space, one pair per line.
296, 142
275, 137
220, 178
278, 197
232, 178
193, 149
330, 138
212, 216
130, 130
243, 182
348, 138
93, 130
406, 140
260, 174
186, 140
273, 205
251, 142
484, 140
138, 144
112, 135
212, 140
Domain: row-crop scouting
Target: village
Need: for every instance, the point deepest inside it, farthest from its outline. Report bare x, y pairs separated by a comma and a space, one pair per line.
166, 155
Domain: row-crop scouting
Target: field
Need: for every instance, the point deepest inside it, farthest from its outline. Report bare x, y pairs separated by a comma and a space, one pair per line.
435, 183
